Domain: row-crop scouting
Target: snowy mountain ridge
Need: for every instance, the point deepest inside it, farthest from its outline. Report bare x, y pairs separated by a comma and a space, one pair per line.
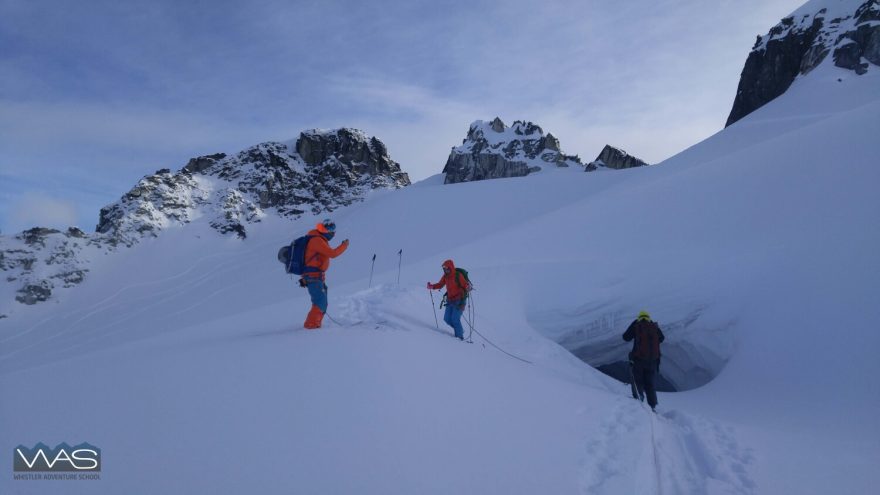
319, 172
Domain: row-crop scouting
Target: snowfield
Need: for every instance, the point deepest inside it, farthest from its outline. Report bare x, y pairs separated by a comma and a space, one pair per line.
184, 359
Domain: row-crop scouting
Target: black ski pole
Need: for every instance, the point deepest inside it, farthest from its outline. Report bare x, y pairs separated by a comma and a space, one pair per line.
371, 270
434, 308
399, 261
632, 383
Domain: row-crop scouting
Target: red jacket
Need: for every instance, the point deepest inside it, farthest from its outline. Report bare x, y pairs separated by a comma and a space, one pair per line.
319, 252
454, 291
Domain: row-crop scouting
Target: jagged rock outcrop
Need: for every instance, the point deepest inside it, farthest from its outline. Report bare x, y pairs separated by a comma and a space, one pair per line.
492, 150
849, 29
614, 158
319, 171
39, 261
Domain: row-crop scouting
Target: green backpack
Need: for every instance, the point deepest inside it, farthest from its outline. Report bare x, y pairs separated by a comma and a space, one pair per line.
467, 287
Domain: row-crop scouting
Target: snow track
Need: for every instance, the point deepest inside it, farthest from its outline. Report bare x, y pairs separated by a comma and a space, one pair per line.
637, 451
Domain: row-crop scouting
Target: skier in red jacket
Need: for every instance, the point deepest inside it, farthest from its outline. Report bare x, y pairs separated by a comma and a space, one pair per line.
456, 296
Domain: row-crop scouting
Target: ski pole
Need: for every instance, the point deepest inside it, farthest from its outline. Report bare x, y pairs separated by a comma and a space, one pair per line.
435, 309
470, 320
371, 270
399, 260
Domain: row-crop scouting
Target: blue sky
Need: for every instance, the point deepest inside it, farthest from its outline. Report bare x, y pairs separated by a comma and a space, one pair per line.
96, 94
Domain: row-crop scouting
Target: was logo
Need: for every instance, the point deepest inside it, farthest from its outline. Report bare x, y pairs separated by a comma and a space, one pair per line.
63, 457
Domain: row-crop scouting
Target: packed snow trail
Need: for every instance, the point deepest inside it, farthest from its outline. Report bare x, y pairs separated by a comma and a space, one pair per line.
638, 451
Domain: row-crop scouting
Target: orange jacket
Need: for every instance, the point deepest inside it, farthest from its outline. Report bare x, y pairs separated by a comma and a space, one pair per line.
454, 292
319, 252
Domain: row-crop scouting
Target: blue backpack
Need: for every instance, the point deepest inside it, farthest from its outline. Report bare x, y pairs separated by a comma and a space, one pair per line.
294, 255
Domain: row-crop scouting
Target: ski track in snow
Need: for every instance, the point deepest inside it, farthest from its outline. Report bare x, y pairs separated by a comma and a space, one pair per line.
637, 451
80, 333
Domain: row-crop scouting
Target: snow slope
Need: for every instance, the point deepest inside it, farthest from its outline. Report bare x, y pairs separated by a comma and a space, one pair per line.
182, 358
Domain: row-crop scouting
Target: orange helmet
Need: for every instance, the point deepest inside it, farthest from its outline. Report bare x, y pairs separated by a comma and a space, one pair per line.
326, 227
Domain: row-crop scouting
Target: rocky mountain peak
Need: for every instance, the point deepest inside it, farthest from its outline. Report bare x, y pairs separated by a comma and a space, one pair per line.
616, 159
493, 150
317, 172
848, 29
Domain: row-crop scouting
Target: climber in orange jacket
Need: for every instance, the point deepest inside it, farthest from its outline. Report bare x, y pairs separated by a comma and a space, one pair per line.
317, 256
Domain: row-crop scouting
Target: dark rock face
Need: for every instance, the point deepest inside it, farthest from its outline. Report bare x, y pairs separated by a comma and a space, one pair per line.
492, 150
32, 294
800, 43
40, 260
862, 43
614, 158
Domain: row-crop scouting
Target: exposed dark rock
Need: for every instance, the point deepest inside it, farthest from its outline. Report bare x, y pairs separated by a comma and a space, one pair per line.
36, 236
75, 232
769, 72
491, 150
614, 158
202, 163
34, 293
854, 45
796, 46
71, 278
849, 56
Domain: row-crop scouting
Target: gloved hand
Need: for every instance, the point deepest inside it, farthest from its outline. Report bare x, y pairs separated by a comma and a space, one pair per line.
345, 242
430, 286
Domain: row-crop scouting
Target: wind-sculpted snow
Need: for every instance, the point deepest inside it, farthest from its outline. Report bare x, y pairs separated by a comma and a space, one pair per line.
699, 342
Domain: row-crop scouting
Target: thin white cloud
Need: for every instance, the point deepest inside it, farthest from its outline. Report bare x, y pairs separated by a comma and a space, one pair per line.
36, 209
156, 85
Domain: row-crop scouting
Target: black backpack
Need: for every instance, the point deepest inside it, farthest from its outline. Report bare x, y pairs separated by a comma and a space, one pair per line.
647, 340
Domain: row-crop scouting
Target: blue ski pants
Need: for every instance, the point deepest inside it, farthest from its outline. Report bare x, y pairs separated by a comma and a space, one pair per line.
452, 317
318, 292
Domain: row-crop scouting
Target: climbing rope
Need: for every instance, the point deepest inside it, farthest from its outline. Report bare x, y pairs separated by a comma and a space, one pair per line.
656, 464
474, 330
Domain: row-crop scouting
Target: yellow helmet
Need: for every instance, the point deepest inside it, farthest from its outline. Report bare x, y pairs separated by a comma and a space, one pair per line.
643, 315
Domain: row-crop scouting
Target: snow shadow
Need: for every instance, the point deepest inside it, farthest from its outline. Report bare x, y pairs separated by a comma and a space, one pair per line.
697, 345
